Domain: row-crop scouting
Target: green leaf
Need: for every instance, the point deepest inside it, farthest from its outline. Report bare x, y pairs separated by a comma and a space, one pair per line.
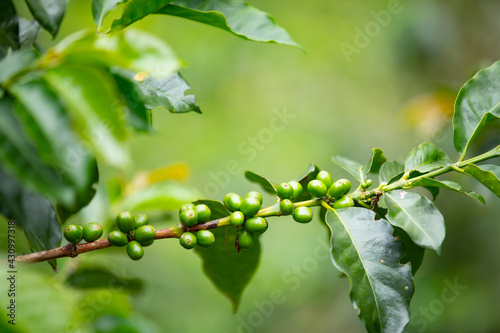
90, 96
229, 271
28, 31
15, 63
217, 209
365, 250
354, 168
49, 129
23, 144
49, 13
93, 276
478, 103
131, 49
32, 212
266, 184
135, 10
310, 174
9, 25
486, 174
100, 8
391, 171
446, 184
165, 195
414, 254
168, 92
418, 217
237, 17
424, 158
377, 160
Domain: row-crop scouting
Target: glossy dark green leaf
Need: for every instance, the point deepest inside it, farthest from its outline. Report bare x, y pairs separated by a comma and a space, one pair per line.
16, 62
100, 8
414, 254
418, 217
92, 276
237, 17
376, 161
229, 271
310, 174
478, 103
165, 195
90, 95
391, 171
49, 128
131, 49
28, 31
266, 184
217, 209
135, 10
365, 250
424, 158
168, 92
446, 184
32, 212
356, 169
49, 13
486, 174
26, 150
9, 25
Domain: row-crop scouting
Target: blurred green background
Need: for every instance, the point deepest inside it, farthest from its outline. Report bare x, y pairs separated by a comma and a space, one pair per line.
394, 92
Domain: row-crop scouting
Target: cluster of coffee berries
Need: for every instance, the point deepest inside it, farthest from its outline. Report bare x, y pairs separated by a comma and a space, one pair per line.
190, 215
134, 232
243, 213
323, 186
287, 192
91, 232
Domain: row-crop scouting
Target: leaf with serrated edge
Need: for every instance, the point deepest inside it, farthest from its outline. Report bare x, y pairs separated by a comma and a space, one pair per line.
266, 184
486, 174
424, 158
446, 184
237, 17
418, 217
228, 270
365, 250
478, 103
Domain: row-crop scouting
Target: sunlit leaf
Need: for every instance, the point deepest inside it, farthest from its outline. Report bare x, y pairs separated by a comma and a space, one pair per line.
446, 184
391, 171
100, 8
487, 174
135, 10
266, 184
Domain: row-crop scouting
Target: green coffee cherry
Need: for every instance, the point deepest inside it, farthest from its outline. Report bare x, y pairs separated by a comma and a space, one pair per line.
302, 214
337, 189
188, 240
366, 184
343, 202
205, 238
250, 206
284, 191
140, 220
325, 177
203, 213
297, 189
117, 238
233, 202
237, 218
147, 243
255, 194
226, 197
245, 239
347, 185
317, 188
256, 224
145, 233
186, 206
286, 206
189, 217
92, 232
135, 250
73, 233
125, 222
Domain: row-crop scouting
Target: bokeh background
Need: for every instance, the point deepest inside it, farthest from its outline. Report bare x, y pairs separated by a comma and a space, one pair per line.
394, 91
